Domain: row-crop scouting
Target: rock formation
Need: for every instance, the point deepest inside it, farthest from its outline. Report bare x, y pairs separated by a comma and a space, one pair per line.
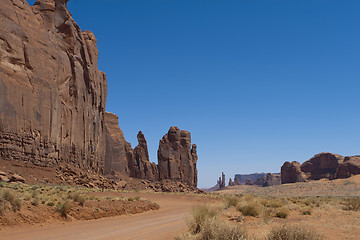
237, 180
140, 166
231, 183
116, 151
177, 157
221, 182
322, 165
350, 166
271, 179
53, 99
291, 173
52, 95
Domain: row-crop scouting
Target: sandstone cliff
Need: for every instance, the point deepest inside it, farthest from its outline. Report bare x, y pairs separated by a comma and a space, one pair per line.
52, 95
116, 150
53, 99
177, 157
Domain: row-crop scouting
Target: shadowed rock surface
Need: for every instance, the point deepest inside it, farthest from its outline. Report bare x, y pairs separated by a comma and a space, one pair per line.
140, 166
53, 99
52, 95
291, 173
116, 154
322, 165
177, 157
350, 166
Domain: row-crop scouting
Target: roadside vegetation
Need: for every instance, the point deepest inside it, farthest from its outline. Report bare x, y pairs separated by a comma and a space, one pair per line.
41, 202
229, 219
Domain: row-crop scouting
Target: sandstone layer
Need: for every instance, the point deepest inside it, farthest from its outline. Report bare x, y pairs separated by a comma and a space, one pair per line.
52, 95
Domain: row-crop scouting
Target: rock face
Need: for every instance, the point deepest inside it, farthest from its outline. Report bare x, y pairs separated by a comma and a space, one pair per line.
322, 165
140, 166
350, 166
116, 151
177, 157
53, 99
291, 173
52, 95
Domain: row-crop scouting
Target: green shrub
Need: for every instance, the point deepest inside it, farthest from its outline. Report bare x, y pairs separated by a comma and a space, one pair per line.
306, 211
50, 204
287, 232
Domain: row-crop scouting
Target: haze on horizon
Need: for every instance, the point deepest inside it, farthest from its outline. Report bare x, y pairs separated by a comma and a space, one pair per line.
257, 83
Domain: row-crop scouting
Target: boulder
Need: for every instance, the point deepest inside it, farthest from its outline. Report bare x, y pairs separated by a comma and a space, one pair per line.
52, 94
291, 173
350, 166
177, 157
17, 178
4, 179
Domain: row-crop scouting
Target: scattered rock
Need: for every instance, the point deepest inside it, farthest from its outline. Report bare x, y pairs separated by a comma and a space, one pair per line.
17, 178
4, 179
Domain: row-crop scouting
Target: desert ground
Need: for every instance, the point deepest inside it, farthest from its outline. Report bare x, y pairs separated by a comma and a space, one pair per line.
327, 208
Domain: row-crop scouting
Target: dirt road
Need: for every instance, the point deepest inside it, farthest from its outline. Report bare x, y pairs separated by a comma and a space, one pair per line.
161, 224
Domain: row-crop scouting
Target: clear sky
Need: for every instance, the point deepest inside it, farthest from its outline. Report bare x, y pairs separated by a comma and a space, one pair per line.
257, 83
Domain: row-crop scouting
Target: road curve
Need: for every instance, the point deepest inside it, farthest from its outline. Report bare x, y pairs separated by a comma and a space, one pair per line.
164, 223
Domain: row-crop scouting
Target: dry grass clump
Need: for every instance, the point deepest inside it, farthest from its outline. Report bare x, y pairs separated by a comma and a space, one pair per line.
231, 201
282, 212
200, 215
9, 196
207, 225
64, 209
352, 204
287, 232
137, 198
252, 208
79, 198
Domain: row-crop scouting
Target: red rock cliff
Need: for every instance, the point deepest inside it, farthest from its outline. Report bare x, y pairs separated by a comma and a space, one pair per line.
52, 95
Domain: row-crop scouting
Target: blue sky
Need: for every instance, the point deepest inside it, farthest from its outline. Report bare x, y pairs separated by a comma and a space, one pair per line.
257, 83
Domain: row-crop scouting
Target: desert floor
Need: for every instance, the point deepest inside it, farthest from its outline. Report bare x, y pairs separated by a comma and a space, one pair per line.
164, 223
326, 199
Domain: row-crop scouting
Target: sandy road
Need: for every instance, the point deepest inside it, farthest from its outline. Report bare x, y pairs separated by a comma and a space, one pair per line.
161, 224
